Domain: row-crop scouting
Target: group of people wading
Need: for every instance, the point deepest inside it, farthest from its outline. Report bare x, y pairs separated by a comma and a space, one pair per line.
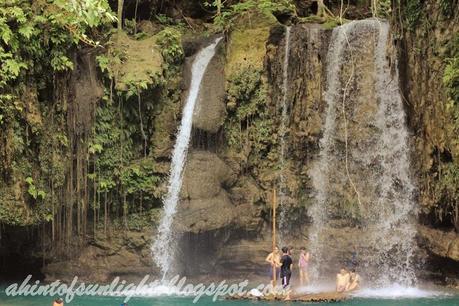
281, 266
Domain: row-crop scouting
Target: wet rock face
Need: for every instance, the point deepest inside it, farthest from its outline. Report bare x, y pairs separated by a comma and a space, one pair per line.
125, 253
205, 204
440, 243
87, 91
305, 105
210, 111
423, 47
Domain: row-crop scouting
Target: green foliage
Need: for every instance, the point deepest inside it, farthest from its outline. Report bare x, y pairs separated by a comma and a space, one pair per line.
248, 116
168, 21
33, 190
451, 73
451, 84
113, 150
111, 144
129, 26
103, 63
226, 18
447, 193
447, 7
36, 38
413, 13
383, 8
139, 176
170, 43
451, 79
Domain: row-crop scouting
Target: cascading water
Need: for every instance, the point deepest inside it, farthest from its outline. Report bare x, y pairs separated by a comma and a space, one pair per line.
283, 131
394, 229
320, 171
365, 148
163, 248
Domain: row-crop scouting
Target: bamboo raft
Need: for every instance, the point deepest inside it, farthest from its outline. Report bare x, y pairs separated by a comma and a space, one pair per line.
323, 297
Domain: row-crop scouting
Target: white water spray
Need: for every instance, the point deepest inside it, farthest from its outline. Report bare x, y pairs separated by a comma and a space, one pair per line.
163, 248
283, 132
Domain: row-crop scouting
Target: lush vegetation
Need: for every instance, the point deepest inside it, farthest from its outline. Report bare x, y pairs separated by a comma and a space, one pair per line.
226, 15
37, 42
66, 160
447, 190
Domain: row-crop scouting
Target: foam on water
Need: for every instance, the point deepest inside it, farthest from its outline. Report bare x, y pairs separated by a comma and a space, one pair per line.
397, 291
394, 291
160, 290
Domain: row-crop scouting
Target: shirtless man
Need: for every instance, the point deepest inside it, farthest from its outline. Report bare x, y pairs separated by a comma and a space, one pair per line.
342, 280
273, 259
354, 282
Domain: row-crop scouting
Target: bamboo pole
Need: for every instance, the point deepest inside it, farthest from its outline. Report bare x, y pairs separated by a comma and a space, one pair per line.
274, 235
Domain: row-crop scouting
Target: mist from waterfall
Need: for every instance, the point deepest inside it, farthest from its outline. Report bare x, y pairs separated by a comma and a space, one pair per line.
164, 246
283, 133
379, 162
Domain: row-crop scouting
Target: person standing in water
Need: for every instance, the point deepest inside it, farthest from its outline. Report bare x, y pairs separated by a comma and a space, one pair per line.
273, 259
58, 302
303, 264
286, 267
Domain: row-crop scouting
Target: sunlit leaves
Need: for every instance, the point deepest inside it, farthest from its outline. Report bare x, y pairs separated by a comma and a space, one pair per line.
12, 67
169, 40
60, 62
33, 191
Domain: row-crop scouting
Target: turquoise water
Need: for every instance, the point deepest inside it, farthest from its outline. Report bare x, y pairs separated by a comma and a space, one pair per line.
181, 301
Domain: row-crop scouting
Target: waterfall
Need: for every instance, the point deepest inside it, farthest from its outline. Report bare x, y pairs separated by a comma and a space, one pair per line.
365, 111
163, 248
320, 171
394, 230
283, 224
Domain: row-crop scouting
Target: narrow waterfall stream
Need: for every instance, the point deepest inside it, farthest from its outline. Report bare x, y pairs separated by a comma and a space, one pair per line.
362, 180
283, 131
164, 242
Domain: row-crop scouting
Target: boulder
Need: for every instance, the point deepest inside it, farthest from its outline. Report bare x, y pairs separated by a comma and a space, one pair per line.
205, 204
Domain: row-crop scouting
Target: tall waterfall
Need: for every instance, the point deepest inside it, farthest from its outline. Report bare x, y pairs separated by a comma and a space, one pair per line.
163, 248
362, 178
320, 172
283, 132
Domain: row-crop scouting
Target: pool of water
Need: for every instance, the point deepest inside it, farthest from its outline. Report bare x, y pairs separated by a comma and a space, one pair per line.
366, 297
178, 301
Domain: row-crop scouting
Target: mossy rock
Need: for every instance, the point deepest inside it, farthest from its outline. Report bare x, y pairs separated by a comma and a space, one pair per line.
247, 43
134, 62
14, 210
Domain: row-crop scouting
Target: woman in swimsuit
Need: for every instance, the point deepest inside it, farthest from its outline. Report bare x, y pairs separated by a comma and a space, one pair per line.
303, 263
